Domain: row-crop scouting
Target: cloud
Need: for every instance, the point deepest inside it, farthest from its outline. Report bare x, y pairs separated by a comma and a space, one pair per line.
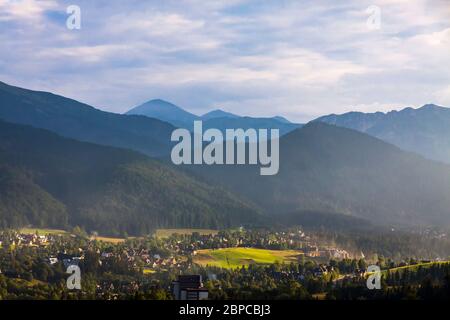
443, 95
301, 59
25, 11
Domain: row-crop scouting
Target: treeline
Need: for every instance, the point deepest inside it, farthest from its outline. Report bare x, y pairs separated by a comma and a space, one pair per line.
420, 283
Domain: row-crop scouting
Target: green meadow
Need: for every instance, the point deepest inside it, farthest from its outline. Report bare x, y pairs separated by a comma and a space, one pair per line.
237, 257
414, 267
42, 232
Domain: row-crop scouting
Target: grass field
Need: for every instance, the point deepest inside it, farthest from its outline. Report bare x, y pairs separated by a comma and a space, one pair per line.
42, 232
164, 233
108, 239
237, 257
148, 271
411, 267
416, 266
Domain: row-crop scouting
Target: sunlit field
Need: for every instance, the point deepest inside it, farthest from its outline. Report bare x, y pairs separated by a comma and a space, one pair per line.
237, 257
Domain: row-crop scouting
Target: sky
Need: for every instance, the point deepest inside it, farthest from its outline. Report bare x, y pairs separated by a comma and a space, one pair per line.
298, 59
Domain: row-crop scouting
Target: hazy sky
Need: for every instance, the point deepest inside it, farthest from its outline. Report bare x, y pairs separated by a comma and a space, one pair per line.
299, 59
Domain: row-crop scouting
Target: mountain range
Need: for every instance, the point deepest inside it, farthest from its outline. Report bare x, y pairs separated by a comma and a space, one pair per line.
219, 119
63, 162
425, 130
72, 119
325, 168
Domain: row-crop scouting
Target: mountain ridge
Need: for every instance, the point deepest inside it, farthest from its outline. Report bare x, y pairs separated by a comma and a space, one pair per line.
327, 168
323, 168
73, 119
218, 113
425, 130
218, 119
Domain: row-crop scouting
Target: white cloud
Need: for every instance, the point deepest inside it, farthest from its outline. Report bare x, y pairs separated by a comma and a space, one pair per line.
300, 59
26, 11
443, 95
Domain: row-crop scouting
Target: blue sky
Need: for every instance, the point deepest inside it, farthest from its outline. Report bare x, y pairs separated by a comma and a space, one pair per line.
299, 59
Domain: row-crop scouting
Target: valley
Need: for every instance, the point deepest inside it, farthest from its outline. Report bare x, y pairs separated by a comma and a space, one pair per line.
90, 188
322, 168
235, 264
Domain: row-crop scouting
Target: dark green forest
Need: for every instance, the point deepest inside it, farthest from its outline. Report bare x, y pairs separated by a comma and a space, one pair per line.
324, 168
50, 181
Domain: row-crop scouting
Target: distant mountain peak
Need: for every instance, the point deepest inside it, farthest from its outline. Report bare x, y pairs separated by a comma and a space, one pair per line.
431, 106
156, 103
218, 113
160, 101
165, 111
425, 107
281, 119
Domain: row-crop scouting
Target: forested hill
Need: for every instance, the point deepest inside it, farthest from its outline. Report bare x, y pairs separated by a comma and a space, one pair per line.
327, 168
72, 119
47, 180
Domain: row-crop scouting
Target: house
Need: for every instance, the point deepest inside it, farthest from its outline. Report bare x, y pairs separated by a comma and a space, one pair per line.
69, 259
338, 254
189, 287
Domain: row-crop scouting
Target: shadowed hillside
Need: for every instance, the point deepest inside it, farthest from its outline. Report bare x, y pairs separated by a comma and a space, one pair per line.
47, 180
76, 120
332, 169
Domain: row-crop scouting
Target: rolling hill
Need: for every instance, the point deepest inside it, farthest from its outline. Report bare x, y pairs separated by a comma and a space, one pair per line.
324, 168
425, 130
50, 181
72, 119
